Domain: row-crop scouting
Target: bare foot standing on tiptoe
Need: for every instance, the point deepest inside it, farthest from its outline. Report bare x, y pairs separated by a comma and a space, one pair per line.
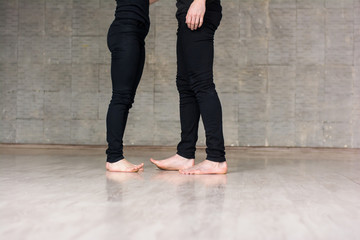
173, 163
206, 167
123, 166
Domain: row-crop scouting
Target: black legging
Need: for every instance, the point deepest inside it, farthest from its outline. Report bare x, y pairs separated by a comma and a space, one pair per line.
125, 40
195, 54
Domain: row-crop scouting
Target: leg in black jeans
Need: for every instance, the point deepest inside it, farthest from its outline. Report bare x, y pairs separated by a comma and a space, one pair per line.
195, 51
126, 42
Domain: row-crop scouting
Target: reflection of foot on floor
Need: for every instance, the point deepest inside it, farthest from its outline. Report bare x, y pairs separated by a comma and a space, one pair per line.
214, 180
173, 163
120, 178
207, 167
172, 177
123, 166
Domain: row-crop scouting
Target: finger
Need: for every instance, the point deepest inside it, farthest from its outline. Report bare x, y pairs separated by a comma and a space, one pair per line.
193, 19
201, 21
188, 22
197, 22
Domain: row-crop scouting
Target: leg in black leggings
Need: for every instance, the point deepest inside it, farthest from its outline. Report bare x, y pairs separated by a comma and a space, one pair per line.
189, 108
195, 84
126, 43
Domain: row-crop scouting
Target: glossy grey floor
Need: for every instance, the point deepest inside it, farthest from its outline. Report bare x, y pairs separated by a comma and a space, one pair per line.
267, 194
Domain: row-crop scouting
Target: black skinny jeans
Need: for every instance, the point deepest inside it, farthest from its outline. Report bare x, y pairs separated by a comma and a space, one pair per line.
195, 55
126, 42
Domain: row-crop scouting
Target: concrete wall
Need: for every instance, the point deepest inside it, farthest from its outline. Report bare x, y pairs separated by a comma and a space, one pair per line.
287, 72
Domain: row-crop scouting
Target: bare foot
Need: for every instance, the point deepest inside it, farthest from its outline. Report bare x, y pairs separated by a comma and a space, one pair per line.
173, 163
123, 166
206, 167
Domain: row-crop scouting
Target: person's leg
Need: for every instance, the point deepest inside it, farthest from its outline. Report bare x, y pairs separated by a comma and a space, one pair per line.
126, 44
189, 120
189, 108
198, 52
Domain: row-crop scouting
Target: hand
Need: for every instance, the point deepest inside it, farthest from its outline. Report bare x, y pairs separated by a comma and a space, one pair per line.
195, 14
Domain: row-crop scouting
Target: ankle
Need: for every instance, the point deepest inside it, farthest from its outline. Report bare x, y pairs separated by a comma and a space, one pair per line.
183, 158
223, 164
217, 164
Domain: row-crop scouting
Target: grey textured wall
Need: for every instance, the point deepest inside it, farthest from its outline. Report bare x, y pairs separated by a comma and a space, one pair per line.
287, 72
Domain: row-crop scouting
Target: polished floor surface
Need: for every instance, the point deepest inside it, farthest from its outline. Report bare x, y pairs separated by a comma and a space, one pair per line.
275, 193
